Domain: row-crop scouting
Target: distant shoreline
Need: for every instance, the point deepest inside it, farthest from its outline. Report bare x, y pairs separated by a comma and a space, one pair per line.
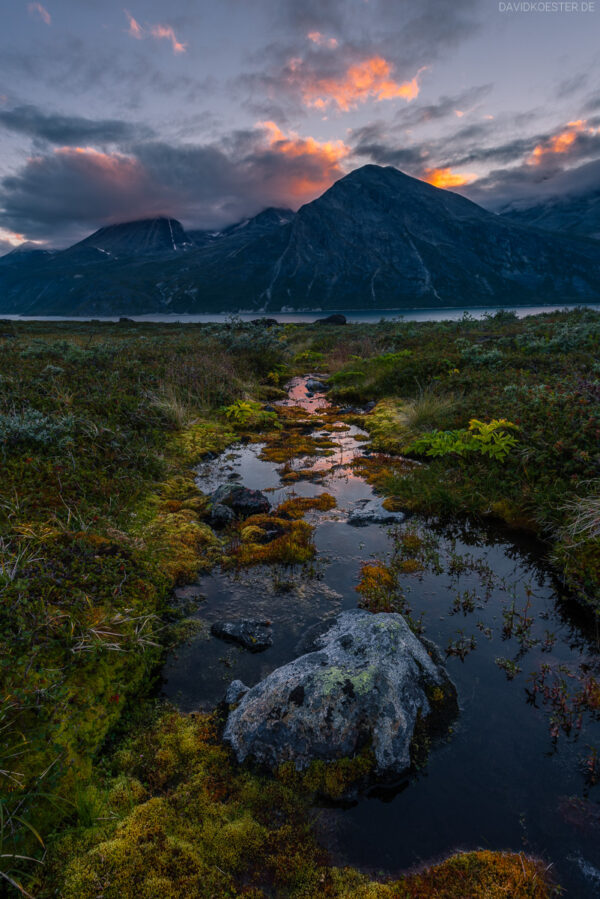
437, 313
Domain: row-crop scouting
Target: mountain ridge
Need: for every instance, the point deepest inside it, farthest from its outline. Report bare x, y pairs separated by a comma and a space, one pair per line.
376, 238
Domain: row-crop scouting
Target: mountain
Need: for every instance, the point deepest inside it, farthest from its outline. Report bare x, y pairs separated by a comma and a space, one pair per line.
376, 239
25, 254
569, 215
267, 220
568, 203
146, 237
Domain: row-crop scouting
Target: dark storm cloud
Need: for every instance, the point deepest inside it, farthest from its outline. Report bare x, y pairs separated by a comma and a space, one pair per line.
426, 24
63, 194
62, 129
569, 86
67, 64
556, 176
592, 104
421, 114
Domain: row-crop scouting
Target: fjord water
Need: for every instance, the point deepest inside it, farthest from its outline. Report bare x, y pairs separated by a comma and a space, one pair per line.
498, 781
433, 314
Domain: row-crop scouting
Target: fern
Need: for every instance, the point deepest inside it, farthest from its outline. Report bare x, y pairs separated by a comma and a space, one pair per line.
487, 439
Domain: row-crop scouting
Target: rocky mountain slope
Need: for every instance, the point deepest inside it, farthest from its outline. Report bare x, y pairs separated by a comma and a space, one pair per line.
376, 239
568, 215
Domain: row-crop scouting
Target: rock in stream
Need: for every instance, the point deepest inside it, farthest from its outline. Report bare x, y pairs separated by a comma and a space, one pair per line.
369, 682
253, 635
243, 501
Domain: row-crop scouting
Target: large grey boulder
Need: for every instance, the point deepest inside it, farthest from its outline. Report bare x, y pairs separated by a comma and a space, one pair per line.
369, 682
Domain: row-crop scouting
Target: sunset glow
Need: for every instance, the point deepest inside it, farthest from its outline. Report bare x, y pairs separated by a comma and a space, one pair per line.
369, 80
447, 178
317, 38
36, 9
560, 142
135, 29
166, 32
320, 160
12, 238
159, 32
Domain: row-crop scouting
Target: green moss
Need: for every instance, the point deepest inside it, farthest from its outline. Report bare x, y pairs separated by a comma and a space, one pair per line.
179, 820
335, 677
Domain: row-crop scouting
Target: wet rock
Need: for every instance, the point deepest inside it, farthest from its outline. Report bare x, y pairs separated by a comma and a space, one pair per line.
370, 405
221, 516
269, 408
235, 691
336, 319
371, 511
315, 386
243, 501
369, 681
253, 635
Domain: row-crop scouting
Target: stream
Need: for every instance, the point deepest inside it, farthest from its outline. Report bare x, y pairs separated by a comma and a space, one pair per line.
513, 774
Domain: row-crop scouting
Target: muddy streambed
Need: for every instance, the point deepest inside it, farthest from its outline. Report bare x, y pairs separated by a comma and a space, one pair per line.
518, 771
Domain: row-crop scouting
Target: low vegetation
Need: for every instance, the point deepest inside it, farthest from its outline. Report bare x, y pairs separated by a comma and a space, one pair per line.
100, 427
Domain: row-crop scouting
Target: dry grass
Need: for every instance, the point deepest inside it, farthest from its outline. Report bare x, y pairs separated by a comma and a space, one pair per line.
584, 515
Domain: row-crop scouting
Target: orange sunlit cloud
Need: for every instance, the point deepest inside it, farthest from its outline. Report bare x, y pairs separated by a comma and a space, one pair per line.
317, 38
562, 141
135, 29
160, 32
114, 167
318, 161
36, 9
447, 178
166, 31
12, 238
368, 80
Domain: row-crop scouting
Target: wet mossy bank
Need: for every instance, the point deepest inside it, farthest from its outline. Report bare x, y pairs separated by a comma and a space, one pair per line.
175, 818
100, 520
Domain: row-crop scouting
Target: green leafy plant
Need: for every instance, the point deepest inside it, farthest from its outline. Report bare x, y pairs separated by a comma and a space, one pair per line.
249, 413
492, 439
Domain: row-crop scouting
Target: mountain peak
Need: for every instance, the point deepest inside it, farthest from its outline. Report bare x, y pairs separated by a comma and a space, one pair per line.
151, 235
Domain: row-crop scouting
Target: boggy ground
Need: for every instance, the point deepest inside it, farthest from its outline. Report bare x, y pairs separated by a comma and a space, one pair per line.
100, 426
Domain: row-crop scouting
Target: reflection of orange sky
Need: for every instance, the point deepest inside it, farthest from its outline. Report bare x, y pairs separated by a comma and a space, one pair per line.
447, 178
323, 157
368, 80
562, 141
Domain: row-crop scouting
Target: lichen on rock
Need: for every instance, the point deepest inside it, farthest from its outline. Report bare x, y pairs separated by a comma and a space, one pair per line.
369, 682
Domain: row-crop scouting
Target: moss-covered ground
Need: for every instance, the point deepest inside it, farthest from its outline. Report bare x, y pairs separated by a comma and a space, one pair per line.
100, 427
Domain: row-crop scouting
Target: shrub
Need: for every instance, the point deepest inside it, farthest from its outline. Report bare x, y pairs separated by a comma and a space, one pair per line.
491, 439
33, 427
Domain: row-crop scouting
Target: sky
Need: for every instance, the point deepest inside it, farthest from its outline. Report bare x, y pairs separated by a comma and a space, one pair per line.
211, 111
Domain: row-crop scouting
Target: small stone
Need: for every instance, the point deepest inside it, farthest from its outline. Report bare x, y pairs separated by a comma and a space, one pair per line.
221, 516
253, 635
315, 386
371, 511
